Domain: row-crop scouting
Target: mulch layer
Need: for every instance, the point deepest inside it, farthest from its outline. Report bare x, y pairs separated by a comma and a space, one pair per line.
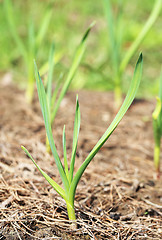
118, 196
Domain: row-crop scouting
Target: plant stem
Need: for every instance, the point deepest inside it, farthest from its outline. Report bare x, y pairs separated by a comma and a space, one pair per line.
118, 96
157, 157
157, 134
31, 81
30, 89
71, 211
48, 148
118, 91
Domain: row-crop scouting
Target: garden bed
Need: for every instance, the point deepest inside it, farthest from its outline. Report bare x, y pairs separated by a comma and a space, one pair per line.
118, 196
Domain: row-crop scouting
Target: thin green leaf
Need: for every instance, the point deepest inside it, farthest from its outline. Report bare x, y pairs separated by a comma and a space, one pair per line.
30, 67
45, 112
31, 38
160, 88
115, 36
50, 75
119, 27
56, 90
65, 154
160, 96
58, 189
44, 26
133, 48
127, 102
10, 18
110, 21
157, 131
76, 61
157, 110
45, 67
111, 31
75, 138
156, 122
157, 127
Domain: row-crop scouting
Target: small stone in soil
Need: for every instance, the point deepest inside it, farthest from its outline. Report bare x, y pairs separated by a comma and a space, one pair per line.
114, 216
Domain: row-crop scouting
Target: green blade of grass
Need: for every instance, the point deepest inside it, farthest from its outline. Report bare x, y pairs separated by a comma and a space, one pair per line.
31, 39
111, 31
44, 26
119, 27
157, 110
58, 189
151, 20
76, 61
160, 96
75, 138
31, 55
10, 18
157, 132
45, 112
160, 88
50, 74
157, 127
56, 90
115, 36
127, 102
45, 67
65, 154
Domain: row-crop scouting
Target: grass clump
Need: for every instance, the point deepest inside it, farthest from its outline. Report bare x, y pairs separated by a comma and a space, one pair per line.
115, 29
54, 98
69, 180
29, 49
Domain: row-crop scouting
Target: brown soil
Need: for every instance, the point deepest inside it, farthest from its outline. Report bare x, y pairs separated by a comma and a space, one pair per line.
118, 196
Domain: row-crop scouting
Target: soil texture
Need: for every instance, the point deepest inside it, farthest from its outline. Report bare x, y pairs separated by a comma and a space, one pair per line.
118, 197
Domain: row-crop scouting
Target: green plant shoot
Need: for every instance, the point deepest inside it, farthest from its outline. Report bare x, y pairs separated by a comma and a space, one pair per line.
29, 50
157, 128
69, 180
115, 29
55, 97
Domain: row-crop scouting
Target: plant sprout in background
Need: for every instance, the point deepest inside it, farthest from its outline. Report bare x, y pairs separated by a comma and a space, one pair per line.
115, 30
30, 49
54, 99
69, 180
157, 127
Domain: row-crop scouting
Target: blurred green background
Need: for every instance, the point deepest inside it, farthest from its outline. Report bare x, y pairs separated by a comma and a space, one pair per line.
68, 23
